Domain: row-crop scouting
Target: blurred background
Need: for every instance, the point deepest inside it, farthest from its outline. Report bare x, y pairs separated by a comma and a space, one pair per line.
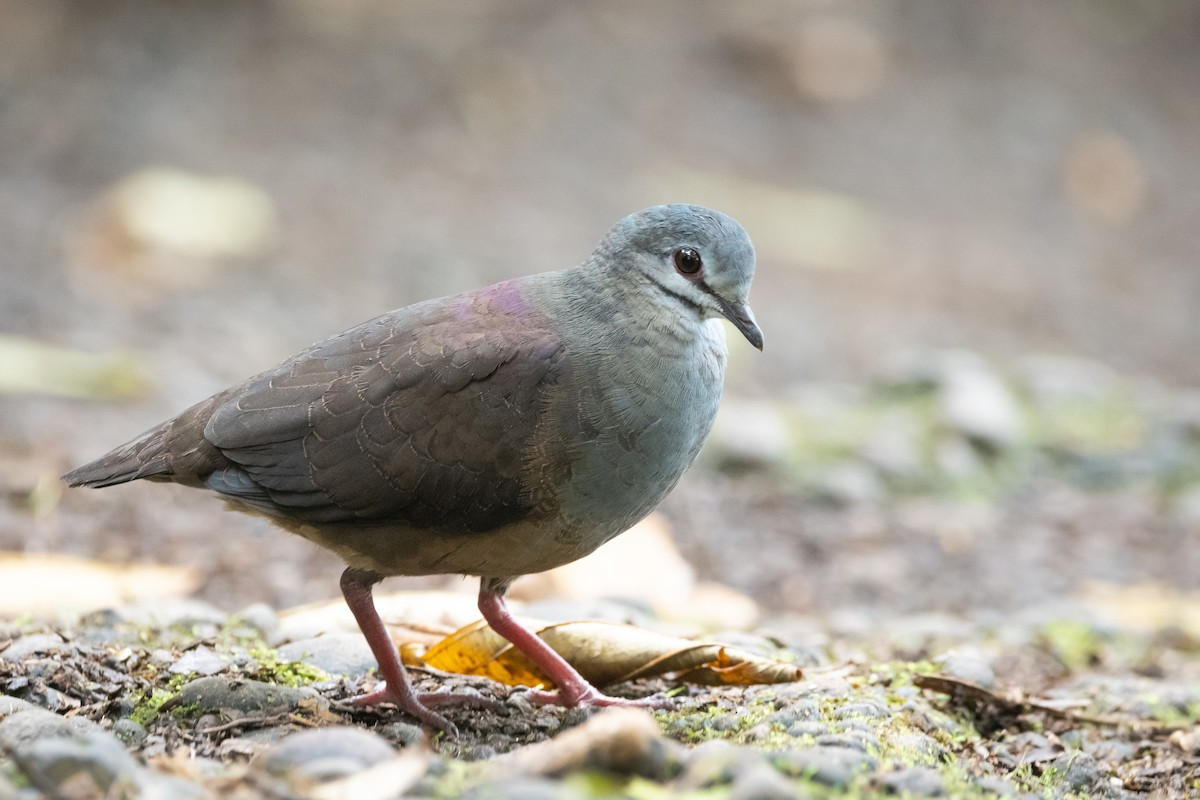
978, 271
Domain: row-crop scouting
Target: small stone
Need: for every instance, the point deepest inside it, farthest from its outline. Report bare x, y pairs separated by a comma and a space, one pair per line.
920, 746
848, 485
852, 739
35, 644
860, 711
336, 653
56, 760
1078, 770
798, 711
11, 705
749, 434
259, 616
813, 729
716, 763
326, 753
199, 661
829, 766
969, 666
760, 782
913, 781
974, 402
36, 723
404, 734
221, 693
128, 732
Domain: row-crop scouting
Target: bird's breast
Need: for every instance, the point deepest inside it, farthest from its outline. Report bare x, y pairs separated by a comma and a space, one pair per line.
635, 418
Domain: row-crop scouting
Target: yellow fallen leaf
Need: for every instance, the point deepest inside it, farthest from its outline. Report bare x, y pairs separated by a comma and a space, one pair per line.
605, 653
39, 584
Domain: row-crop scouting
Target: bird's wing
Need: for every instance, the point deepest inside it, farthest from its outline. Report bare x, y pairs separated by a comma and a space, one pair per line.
424, 416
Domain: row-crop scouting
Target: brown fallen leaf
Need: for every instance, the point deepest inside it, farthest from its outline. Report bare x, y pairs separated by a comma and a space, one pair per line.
605, 653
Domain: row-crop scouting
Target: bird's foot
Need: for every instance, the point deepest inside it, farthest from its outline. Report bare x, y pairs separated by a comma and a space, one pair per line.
589, 696
421, 704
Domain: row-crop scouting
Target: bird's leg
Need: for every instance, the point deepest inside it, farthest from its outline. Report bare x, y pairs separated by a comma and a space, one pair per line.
573, 689
356, 588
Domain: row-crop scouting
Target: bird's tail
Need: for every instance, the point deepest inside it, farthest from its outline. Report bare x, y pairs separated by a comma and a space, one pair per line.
144, 457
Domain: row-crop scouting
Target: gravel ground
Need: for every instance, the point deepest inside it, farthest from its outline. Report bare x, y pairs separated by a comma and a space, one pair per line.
200, 705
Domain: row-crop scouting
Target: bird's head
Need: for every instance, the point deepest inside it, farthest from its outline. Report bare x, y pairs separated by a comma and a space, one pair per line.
699, 259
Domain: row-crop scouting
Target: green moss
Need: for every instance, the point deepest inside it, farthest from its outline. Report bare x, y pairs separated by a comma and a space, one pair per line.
694, 727
148, 707
284, 673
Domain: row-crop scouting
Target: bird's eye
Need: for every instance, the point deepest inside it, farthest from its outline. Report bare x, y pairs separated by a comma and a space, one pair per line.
687, 261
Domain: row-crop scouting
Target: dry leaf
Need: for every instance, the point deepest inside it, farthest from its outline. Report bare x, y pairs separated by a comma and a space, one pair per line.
605, 653
43, 584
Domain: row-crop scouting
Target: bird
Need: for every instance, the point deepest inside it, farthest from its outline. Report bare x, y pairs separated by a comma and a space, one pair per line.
495, 433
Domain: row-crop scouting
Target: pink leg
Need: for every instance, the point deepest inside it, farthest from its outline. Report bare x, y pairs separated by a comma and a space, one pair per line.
573, 689
356, 588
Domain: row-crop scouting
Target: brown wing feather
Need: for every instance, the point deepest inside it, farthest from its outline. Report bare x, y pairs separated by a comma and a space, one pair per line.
422, 416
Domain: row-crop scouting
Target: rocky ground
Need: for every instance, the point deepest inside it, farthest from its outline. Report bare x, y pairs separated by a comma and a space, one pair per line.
199, 704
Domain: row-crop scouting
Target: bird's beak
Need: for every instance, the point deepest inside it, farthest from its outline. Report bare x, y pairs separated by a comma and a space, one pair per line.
743, 319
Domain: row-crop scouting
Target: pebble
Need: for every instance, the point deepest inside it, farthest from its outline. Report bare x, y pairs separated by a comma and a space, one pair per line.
749, 433
859, 711
848, 485
128, 732
404, 734
1079, 770
336, 653
830, 766
976, 403
35, 644
221, 693
259, 616
57, 760
856, 740
198, 661
32, 724
326, 753
804, 728
760, 782
913, 782
969, 666
921, 746
11, 705
799, 711
716, 763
